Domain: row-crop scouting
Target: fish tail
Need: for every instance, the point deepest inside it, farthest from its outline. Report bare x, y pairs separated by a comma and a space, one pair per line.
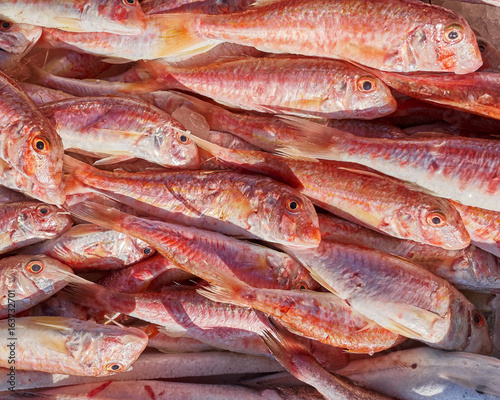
75, 171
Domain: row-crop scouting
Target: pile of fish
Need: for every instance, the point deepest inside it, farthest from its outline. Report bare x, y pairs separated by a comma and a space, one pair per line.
271, 199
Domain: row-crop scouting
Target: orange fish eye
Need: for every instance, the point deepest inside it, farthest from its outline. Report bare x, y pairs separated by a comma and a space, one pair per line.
40, 145
478, 319
147, 251
301, 285
436, 219
293, 205
35, 267
42, 210
453, 33
129, 2
114, 367
5, 25
182, 138
366, 84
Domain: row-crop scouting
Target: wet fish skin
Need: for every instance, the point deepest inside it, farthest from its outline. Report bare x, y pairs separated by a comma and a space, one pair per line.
358, 194
30, 149
41, 95
18, 38
24, 223
400, 35
30, 285
292, 85
76, 65
121, 126
470, 268
87, 247
228, 202
114, 16
72, 346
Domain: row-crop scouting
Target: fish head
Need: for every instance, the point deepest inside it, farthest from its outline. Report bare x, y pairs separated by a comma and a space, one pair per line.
18, 38
369, 97
43, 220
489, 54
103, 350
477, 270
289, 217
123, 17
170, 147
447, 45
131, 249
436, 222
479, 340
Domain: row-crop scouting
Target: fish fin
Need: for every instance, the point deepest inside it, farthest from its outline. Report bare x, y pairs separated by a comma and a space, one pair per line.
260, 3
212, 148
116, 60
115, 159
56, 323
68, 24
74, 186
96, 213
72, 165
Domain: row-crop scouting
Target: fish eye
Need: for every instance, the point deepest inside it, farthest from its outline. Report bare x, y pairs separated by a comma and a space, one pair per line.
436, 219
40, 145
454, 33
35, 267
301, 285
114, 367
293, 205
5, 25
182, 138
129, 2
42, 210
482, 47
366, 84
478, 319
147, 251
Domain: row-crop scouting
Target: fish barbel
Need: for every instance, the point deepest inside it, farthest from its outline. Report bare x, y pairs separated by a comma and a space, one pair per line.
399, 295
186, 247
293, 85
18, 38
27, 280
362, 196
463, 169
26, 223
395, 35
229, 202
122, 128
115, 16
30, 149
71, 346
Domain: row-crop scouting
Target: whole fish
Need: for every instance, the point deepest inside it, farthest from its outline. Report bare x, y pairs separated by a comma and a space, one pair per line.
399, 295
28, 280
67, 345
114, 16
301, 364
400, 35
30, 149
470, 268
359, 195
229, 202
191, 249
87, 246
483, 227
463, 169
291, 85
26, 223
477, 92
123, 128
18, 38
316, 315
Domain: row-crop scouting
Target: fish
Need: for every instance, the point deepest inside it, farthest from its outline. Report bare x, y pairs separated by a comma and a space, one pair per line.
476, 92
316, 315
18, 38
121, 128
301, 364
489, 54
457, 168
171, 344
483, 227
28, 280
399, 295
400, 35
41, 95
185, 247
65, 345
121, 17
190, 6
291, 85
466, 269
25, 223
11, 196
76, 65
88, 246
349, 190
30, 149
229, 202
